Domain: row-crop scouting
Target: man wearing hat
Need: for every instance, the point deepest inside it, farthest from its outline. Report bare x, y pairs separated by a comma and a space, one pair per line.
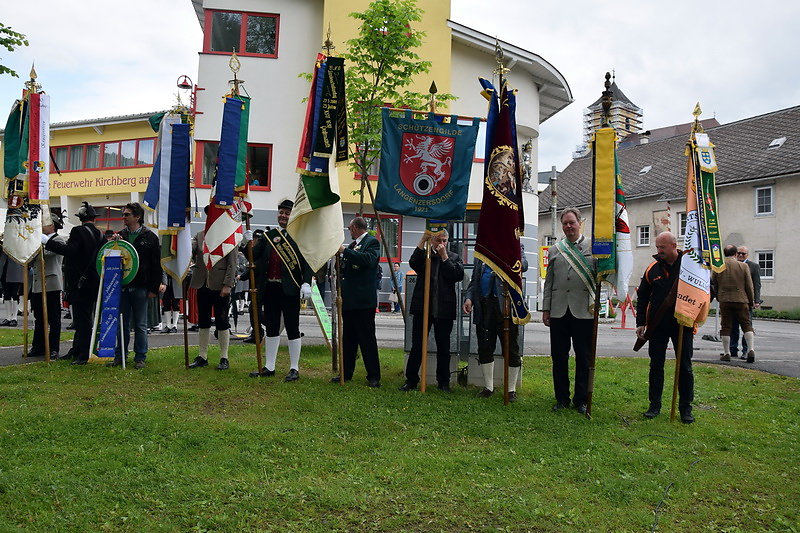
81, 281
53, 286
286, 279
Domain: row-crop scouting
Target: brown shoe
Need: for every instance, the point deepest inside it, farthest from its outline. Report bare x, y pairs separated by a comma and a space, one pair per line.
751, 356
725, 357
485, 393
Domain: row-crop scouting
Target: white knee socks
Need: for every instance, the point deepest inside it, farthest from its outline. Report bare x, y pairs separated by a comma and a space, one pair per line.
294, 353
175, 316
271, 352
726, 344
488, 375
224, 343
205, 334
513, 375
750, 339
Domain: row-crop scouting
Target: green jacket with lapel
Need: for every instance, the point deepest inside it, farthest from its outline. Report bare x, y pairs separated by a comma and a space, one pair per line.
359, 265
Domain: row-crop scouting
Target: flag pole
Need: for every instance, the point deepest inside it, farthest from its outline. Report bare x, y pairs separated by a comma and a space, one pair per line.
45, 323
506, 336
185, 287
25, 290
425, 310
254, 314
333, 282
339, 332
678, 355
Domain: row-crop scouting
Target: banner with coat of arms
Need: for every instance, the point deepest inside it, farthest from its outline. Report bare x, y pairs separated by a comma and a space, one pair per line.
425, 165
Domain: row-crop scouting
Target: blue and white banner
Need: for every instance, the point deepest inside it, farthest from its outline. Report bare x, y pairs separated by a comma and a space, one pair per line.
109, 308
168, 190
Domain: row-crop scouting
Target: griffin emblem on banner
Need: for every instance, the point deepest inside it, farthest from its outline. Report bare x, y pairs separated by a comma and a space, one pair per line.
501, 179
427, 163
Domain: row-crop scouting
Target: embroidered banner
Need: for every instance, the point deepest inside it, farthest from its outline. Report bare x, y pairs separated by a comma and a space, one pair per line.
425, 165
603, 187
108, 329
39, 148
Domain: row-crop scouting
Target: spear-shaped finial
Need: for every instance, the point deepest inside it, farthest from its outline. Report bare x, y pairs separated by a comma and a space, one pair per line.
432, 92
499, 55
235, 65
608, 97
328, 44
31, 86
697, 127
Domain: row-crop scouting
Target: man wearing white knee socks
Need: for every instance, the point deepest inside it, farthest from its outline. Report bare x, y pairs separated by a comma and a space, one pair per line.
287, 279
213, 291
733, 287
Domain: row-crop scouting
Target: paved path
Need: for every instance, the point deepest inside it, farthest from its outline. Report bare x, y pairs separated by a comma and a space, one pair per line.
777, 343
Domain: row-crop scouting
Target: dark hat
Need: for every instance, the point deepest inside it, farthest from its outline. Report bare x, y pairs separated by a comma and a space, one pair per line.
58, 217
86, 212
286, 204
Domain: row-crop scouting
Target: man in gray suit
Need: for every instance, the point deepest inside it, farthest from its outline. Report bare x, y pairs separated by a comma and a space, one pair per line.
742, 254
568, 294
54, 284
213, 290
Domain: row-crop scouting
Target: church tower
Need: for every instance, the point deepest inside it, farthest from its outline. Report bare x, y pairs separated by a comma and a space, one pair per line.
626, 118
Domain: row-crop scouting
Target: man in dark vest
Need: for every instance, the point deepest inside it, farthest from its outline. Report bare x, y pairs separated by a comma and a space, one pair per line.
81, 281
359, 300
446, 270
279, 292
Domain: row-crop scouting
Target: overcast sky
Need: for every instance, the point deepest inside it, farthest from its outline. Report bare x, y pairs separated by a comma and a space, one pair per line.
738, 58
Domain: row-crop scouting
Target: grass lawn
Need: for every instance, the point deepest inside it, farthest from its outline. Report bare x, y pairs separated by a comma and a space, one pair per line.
164, 449
13, 336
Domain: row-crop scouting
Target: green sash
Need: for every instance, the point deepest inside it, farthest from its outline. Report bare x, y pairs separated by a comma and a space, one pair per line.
576, 260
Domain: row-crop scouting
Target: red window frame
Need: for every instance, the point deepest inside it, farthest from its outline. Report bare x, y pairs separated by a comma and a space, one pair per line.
399, 219
105, 217
243, 33
199, 160
101, 156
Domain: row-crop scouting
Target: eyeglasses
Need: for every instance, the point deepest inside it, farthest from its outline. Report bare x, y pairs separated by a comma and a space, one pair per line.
741, 253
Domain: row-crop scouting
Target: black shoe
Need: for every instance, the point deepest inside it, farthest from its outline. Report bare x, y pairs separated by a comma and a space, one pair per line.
67, 316
4, 322
138, 365
559, 406
54, 355
485, 393
293, 375
35, 354
264, 373
581, 408
165, 330
194, 327
71, 325
223, 364
512, 396
336, 379
198, 362
173, 330
116, 362
406, 387
751, 356
374, 383
12, 323
444, 388
652, 412
686, 417
79, 362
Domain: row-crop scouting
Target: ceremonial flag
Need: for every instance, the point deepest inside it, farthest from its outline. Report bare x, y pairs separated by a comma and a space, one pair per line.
223, 232
705, 167
316, 220
425, 165
232, 155
22, 237
694, 284
611, 234
38, 165
167, 195
110, 308
502, 218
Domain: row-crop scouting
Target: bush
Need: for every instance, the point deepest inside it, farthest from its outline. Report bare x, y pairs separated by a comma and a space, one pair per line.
791, 314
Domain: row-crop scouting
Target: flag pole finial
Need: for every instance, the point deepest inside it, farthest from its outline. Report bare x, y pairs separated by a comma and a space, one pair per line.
328, 44
432, 92
31, 86
499, 55
607, 99
234, 64
697, 127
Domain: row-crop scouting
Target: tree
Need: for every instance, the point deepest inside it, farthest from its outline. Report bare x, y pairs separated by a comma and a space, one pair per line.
381, 63
10, 40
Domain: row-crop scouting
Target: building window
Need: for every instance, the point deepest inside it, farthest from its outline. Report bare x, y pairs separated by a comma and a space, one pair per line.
114, 154
259, 164
681, 224
375, 166
764, 201
109, 218
250, 34
391, 227
766, 260
643, 235
549, 240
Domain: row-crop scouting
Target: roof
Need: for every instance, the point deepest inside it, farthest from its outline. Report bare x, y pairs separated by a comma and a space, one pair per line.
554, 91
98, 122
740, 148
618, 96
663, 133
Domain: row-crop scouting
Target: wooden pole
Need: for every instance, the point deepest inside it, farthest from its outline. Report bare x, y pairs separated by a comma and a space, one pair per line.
678, 355
593, 352
426, 305
506, 339
339, 329
333, 282
45, 323
254, 315
25, 291
185, 287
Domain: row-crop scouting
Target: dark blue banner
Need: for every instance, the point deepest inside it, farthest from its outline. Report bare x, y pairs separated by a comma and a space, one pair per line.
109, 308
425, 165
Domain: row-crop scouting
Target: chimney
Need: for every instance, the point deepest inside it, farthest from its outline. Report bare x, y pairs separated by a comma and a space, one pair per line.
645, 137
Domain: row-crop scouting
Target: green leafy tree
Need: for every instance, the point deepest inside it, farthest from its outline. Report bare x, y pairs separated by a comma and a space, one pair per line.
381, 63
10, 40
